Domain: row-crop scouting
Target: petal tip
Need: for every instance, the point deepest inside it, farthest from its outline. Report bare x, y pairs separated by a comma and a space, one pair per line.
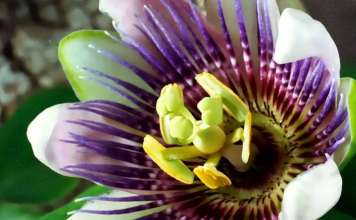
40, 130
324, 186
300, 36
109, 7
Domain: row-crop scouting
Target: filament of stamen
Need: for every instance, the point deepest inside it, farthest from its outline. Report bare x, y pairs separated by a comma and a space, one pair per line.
182, 153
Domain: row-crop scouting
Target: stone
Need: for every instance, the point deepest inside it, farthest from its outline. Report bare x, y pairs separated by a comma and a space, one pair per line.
50, 13
102, 22
77, 18
12, 83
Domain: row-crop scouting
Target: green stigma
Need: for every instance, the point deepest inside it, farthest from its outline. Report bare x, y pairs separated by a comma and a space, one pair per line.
204, 138
170, 100
211, 109
176, 121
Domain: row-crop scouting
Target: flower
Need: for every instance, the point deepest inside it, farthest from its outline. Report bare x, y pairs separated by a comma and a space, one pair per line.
265, 89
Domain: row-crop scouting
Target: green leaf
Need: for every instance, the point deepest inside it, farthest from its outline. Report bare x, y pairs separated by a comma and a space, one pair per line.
347, 200
76, 52
334, 214
16, 212
348, 70
23, 178
61, 213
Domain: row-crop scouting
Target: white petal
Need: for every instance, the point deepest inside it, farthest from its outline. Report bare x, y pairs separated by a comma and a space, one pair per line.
115, 9
311, 194
300, 36
40, 130
123, 13
106, 205
50, 128
273, 11
126, 13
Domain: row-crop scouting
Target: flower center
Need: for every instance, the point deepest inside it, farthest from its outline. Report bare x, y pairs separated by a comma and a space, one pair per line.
270, 161
209, 138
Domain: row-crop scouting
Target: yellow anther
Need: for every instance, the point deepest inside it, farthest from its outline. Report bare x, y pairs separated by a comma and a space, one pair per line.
212, 177
246, 145
174, 168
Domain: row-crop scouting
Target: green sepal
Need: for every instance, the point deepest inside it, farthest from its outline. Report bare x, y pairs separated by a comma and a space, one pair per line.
296, 4
347, 151
75, 52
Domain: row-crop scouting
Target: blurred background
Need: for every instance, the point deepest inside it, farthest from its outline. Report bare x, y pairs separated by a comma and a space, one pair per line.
29, 34
31, 79
31, 29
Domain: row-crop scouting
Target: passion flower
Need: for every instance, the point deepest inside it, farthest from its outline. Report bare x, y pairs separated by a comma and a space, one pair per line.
209, 114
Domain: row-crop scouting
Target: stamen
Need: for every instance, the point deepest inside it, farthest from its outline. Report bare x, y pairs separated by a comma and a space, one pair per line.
213, 160
182, 153
175, 168
246, 146
205, 138
211, 176
232, 104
